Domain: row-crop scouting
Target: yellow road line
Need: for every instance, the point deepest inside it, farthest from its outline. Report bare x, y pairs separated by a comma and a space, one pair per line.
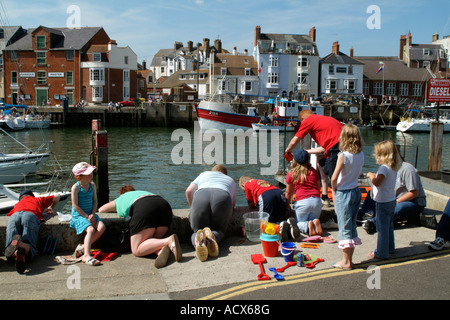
321, 274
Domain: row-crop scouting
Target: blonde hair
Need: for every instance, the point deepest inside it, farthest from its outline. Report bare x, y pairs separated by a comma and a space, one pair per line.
305, 113
387, 154
350, 139
299, 171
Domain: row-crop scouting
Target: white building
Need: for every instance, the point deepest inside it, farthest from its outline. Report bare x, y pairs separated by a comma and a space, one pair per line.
340, 74
288, 64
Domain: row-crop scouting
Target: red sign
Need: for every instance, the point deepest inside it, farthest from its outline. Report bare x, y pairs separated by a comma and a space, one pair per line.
439, 90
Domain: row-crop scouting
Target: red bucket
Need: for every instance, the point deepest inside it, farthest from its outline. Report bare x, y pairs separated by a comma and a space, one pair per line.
270, 244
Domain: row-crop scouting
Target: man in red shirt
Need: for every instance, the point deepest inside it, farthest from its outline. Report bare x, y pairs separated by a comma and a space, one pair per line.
269, 198
325, 131
22, 229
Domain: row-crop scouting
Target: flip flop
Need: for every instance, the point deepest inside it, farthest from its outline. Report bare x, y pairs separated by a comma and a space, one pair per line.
11, 249
176, 248
335, 265
200, 246
329, 239
211, 243
163, 256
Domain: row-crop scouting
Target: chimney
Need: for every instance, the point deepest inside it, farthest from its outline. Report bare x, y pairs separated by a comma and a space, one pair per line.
246, 52
351, 52
190, 46
435, 37
409, 39
257, 34
111, 43
402, 46
234, 51
144, 65
218, 45
335, 48
177, 45
312, 33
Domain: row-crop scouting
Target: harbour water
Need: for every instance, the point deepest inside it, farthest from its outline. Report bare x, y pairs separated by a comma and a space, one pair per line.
166, 160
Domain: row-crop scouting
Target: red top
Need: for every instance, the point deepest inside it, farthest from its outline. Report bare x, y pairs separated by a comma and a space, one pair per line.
323, 129
308, 188
33, 205
254, 188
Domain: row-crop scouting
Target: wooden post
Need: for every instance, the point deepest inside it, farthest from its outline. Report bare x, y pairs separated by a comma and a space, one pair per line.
435, 154
100, 154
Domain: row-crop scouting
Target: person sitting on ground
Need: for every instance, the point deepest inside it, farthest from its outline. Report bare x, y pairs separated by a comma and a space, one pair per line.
22, 229
443, 231
211, 198
267, 197
150, 218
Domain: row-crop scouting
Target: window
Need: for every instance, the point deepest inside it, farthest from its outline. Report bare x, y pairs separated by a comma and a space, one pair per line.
13, 55
302, 62
126, 92
426, 52
331, 86
97, 92
390, 89
246, 86
126, 75
248, 71
14, 77
69, 77
69, 55
96, 56
182, 76
41, 77
378, 89
366, 89
223, 71
341, 69
272, 77
302, 78
96, 74
40, 58
404, 88
273, 61
125, 59
350, 86
417, 90
2, 33
222, 85
350, 69
331, 69
40, 42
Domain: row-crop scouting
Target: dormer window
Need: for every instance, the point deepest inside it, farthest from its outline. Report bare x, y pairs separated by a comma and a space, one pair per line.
96, 56
40, 42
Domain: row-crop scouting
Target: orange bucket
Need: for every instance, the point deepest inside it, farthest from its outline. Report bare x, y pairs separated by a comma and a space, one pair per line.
270, 244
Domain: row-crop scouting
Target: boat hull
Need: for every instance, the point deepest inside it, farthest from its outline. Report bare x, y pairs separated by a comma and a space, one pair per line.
420, 125
14, 167
214, 119
268, 127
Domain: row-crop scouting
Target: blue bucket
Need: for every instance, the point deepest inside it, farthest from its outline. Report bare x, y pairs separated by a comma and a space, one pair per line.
288, 250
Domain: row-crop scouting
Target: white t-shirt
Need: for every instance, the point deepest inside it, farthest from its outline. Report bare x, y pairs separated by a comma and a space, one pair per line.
351, 170
216, 179
386, 191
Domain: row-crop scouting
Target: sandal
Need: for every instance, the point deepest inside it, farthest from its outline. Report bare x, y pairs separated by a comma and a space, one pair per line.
13, 246
20, 260
211, 243
200, 248
163, 256
79, 251
176, 248
92, 262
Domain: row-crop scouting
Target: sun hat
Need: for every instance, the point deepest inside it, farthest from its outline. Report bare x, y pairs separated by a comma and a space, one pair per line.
301, 156
82, 168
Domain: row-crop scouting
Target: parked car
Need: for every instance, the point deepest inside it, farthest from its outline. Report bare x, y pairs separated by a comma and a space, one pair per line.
126, 103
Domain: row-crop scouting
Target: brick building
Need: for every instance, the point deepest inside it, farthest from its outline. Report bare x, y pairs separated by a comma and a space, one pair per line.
47, 65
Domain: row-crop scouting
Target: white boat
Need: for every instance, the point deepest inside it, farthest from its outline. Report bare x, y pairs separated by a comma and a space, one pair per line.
15, 166
8, 198
219, 114
417, 121
36, 121
10, 122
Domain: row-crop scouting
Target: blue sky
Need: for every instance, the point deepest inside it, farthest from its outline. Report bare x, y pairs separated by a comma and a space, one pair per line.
147, 26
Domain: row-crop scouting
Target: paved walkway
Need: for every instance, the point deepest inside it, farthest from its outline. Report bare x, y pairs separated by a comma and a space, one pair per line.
128, 277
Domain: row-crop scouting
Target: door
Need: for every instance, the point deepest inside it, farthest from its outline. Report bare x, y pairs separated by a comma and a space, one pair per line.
41, 97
